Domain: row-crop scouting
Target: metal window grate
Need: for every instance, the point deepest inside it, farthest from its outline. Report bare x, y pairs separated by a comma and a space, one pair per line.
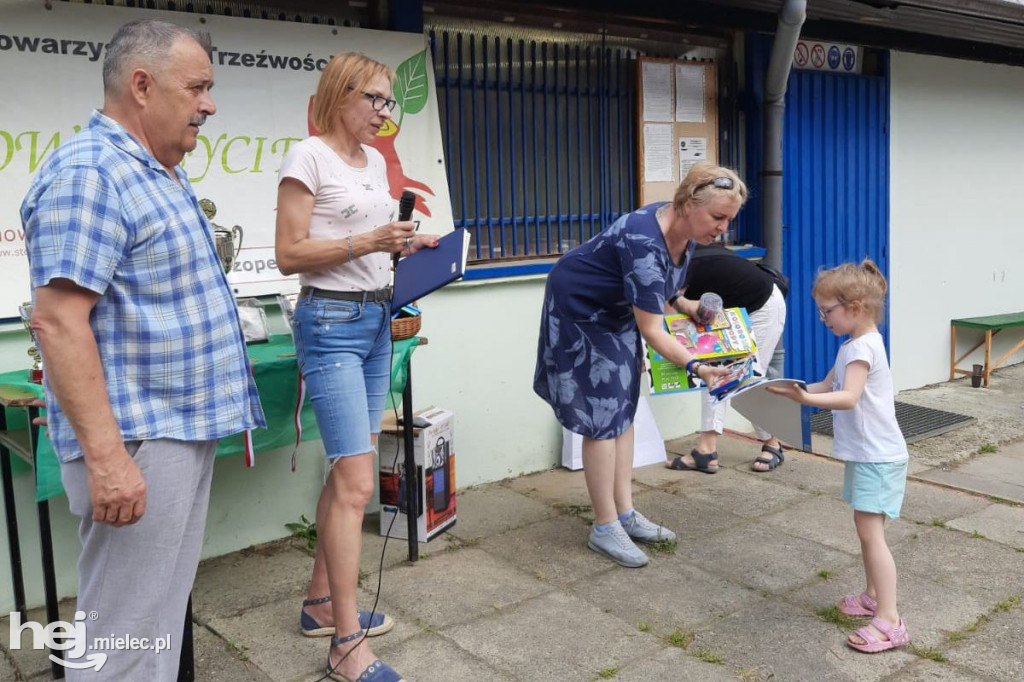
916, 422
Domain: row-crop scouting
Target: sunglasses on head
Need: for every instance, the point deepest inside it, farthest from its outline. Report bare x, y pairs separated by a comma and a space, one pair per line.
720, 183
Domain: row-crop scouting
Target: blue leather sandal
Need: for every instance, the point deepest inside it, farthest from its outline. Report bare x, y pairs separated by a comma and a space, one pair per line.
373, 624
378, 671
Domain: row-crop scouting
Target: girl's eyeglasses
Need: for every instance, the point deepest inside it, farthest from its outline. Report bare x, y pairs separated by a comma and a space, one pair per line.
823, 314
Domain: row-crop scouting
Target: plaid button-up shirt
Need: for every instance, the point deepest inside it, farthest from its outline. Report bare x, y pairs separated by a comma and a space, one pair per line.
103, 213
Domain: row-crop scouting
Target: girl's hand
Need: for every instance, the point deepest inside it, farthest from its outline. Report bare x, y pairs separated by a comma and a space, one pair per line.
709, 373
792, 391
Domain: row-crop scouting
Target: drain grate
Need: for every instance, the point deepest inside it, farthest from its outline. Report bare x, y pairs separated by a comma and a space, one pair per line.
916, 422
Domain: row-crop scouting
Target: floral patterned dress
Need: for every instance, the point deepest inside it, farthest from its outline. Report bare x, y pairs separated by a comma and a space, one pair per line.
589, 355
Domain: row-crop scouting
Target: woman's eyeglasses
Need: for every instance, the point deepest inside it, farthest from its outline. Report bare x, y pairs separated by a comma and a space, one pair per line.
378, 102
823, 314
720, 183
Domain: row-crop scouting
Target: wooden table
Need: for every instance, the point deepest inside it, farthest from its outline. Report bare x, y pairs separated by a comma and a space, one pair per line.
991, 325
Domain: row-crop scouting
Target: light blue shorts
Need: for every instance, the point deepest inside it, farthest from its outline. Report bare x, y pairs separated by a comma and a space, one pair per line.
876, 487
344, 352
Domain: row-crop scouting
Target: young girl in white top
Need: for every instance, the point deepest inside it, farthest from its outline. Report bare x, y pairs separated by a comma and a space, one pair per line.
859, 392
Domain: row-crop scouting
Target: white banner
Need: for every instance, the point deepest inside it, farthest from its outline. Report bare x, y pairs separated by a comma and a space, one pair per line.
266, 73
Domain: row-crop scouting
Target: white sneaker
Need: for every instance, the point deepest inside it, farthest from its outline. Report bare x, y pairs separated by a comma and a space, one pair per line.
640, 528
615, 544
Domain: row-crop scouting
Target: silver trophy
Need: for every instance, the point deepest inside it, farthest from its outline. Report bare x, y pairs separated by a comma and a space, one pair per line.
36, 373
228, 242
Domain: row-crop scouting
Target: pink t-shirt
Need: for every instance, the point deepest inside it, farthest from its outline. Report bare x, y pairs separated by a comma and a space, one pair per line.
347, 201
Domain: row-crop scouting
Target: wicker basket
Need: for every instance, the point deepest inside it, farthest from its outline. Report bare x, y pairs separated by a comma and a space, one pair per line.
405, 327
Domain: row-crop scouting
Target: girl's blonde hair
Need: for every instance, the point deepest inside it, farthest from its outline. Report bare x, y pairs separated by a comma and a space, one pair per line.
850, 283
344, 79
698, 187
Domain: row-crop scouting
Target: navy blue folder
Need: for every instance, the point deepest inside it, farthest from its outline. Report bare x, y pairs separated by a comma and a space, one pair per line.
428, 269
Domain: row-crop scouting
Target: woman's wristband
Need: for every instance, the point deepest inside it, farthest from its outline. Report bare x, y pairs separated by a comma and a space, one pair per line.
693, 367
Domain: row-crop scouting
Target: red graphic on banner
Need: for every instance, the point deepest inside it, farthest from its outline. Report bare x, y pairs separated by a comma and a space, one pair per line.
385, 144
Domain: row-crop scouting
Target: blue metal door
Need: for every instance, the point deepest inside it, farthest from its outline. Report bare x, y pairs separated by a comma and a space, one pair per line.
835, 192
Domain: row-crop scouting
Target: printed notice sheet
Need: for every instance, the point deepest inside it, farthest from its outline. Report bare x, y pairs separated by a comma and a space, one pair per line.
691, 150
657, 83
658, 152
690, 93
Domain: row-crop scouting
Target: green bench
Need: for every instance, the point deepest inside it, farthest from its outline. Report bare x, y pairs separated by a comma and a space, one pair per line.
991, 325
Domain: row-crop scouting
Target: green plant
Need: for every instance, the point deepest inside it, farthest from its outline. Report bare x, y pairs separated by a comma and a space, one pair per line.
681, 638
977, 535
1007, 604
643, 626
931, 653
987, 449
664, 546
607, 673
709, 656
832, 614
938, 523
824, 574
304, 529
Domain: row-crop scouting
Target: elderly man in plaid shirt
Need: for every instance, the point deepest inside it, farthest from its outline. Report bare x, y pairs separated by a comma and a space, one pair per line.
146, 364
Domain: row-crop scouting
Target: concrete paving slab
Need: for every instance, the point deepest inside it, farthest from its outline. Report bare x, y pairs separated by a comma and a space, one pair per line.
830, 522
556, 636
224, 586
493, 509
994, 650
557, 486
764, 558
215, 661
553, 551
929, 620
27, 661
780, 641
743, 495
999, 522
430, 657
1000, 474
808, 473
674, 664
930, 671
666, 595
691, 519
455, 587
926, 503
655, 476
987, 570
395, 550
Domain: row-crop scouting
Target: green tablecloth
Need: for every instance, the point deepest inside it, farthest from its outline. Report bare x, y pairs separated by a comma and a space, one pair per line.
277, 380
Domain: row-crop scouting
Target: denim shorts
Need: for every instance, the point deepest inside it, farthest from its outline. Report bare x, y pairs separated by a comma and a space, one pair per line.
343, 350
876, 487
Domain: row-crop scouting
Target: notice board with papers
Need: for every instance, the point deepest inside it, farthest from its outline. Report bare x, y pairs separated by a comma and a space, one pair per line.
677, 122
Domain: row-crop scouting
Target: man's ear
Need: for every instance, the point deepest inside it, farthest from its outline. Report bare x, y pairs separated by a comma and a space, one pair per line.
141, 84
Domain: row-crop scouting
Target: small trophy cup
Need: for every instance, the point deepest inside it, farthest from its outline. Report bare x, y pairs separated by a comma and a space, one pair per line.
228, 242
36, 373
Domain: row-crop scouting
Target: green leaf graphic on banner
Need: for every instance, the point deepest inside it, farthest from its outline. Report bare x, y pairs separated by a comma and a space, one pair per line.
411, 83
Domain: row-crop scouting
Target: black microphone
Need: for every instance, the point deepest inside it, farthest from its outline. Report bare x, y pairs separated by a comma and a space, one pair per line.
405, 205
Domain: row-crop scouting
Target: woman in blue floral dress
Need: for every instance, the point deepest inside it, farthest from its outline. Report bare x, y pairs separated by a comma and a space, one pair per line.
601, 298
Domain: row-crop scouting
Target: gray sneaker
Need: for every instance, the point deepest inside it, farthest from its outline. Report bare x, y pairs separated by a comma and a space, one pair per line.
640, 528
616, 545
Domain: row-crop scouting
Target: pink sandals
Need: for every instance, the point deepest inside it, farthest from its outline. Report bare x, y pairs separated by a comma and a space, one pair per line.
852, 605
897, 637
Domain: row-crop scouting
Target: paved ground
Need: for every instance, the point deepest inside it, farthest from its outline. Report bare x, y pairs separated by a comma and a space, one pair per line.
512, 593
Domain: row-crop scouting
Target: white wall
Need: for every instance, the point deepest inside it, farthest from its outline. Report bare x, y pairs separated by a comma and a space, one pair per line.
957, 208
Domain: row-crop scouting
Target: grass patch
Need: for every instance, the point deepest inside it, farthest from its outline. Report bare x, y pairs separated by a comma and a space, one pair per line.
607, 673
1003, 500
938, 523
680, 638
824, 574
987, 449
363, 575
832, 614
931, 653
580, 511
643, 626
304, 529
664, 546
709, 656
977, 536
1007, 604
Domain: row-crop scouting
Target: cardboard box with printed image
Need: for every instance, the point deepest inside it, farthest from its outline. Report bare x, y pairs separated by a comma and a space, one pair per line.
434, 477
